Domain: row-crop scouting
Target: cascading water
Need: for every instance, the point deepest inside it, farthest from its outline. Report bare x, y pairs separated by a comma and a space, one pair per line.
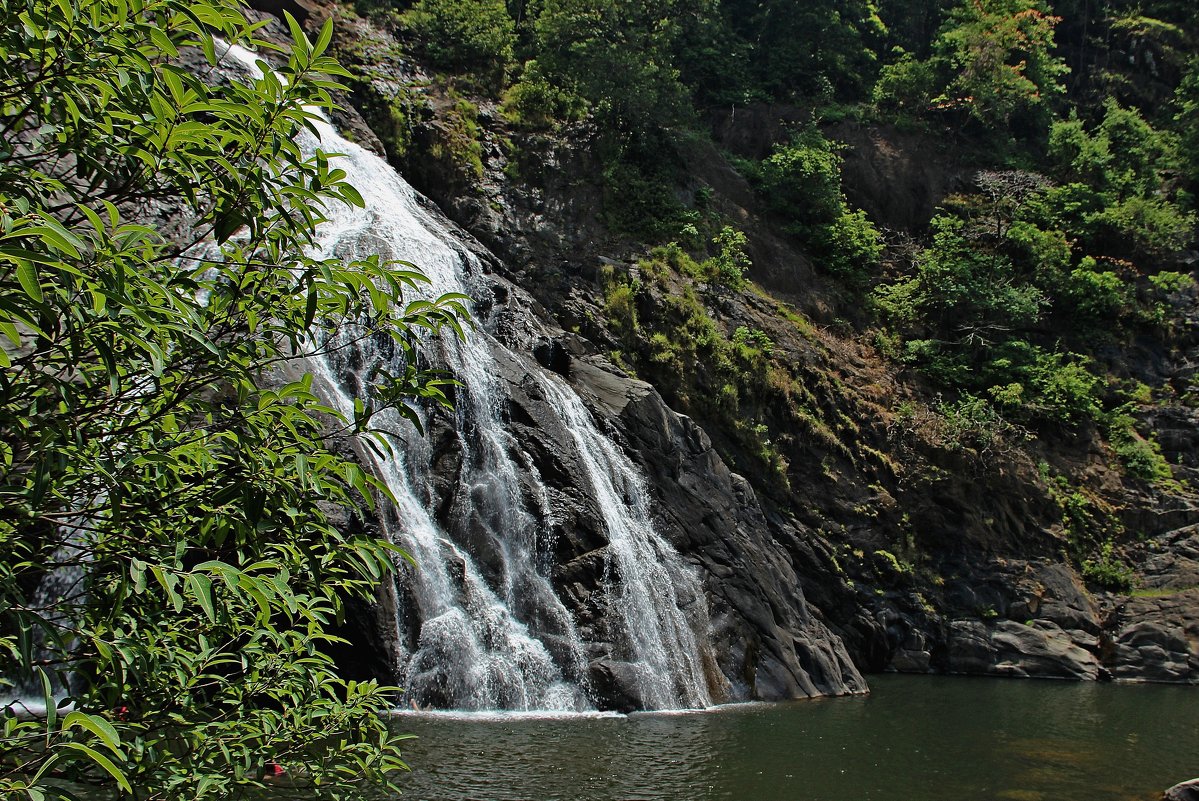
493, 634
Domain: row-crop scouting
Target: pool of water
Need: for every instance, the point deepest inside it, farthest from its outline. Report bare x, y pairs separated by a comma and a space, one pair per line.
913, 739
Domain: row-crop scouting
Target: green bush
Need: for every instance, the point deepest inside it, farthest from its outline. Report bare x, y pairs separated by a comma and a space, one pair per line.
1064, 387
536, 102
1144, 226
854, 246
620, 300
1186, 121
1097, 296
1000, 60
1115, 197
639, 200
729, 264
472, 35
1108, 570
802, 180
1169, 282
1141, 457
906, 85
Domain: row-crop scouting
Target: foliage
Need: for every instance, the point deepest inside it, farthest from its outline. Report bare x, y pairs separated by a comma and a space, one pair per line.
537, 102
458, 139
1000, 54
1116, 198
1064, 387
729, 264
982, 289
1141, 457
972, 423
802, 181
638, 198
620, 296
1108, 571
1186, 121
616, 55
808, 49
162, 461
672, 339
905, 85
393, 120
470, 35
1096, 295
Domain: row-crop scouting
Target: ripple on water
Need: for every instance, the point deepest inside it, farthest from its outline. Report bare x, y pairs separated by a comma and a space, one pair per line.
914, 739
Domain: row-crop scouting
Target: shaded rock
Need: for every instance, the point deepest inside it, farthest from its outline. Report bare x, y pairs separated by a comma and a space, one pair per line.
769, 643
1156, 639
907, 660
300, 9
1007, 648
1184, 791
916, 172
614, 684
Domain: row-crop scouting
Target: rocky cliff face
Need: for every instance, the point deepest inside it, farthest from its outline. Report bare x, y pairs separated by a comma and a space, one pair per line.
876, 541
767, 643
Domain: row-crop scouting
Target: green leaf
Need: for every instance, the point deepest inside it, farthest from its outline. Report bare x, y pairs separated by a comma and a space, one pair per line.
201, 587
97, 726
28, 278
104, 762
48, 699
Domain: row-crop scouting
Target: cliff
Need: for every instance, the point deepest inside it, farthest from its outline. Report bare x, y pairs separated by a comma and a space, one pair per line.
840, 520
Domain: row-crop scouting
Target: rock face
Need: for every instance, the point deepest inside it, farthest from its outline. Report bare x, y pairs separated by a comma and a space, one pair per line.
767, 641
1007, 648
1154, 636
886, 547
525, 490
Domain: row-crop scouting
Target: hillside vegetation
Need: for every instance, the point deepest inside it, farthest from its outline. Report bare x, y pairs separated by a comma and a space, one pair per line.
923, 269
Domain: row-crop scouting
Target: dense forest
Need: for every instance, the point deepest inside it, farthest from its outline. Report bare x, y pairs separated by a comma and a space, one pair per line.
1079, 119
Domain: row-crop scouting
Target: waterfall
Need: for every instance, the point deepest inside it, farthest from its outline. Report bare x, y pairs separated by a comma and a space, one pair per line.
485, 627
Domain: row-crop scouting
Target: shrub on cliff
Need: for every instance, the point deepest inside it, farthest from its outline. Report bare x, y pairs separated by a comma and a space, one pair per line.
471, 35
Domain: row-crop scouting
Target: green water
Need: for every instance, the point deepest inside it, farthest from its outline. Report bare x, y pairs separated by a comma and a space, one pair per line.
912, 739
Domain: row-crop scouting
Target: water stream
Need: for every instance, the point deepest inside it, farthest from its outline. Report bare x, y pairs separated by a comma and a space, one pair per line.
482, 626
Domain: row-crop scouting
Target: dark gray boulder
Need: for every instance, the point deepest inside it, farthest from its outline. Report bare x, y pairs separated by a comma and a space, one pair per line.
1007, 648
1185, 791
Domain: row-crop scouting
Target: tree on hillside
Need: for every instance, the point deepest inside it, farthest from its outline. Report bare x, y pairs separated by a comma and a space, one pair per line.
1000, 55
472, 35
170, 573
616, 55
810, 48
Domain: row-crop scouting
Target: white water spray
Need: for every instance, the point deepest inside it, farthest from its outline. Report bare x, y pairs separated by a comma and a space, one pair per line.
494, 634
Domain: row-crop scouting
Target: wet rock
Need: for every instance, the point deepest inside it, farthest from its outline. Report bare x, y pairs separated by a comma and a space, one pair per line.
1184, 791
614, 685
712, 515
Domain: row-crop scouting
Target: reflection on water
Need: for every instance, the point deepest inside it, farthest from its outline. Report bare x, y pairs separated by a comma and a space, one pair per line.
913, 739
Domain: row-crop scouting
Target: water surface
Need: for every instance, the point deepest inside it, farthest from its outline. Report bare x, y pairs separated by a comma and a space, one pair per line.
913, 739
